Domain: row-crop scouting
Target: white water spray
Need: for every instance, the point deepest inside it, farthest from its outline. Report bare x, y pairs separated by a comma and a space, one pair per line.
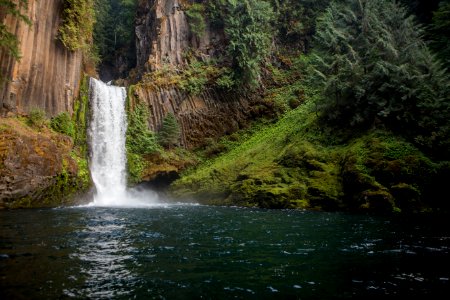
107, 133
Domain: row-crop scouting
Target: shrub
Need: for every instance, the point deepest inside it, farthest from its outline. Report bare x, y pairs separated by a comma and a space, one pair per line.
36, 118
63, 123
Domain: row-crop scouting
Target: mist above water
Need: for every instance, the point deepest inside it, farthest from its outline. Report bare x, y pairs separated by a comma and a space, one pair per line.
108, 160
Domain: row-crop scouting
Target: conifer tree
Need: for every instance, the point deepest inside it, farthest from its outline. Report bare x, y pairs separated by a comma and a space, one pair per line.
140, 140
373, 65
439, 32
170, 131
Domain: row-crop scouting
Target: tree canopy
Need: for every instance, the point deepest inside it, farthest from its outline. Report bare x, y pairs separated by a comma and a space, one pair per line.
374, 66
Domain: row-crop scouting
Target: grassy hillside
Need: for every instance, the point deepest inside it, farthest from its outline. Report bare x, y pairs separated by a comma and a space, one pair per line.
299, 163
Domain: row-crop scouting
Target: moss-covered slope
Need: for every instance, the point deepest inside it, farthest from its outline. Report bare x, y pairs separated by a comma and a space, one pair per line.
38, 167
298, 163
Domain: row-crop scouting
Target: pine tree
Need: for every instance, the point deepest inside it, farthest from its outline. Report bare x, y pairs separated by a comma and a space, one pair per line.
373, 65
140, 140
170, 131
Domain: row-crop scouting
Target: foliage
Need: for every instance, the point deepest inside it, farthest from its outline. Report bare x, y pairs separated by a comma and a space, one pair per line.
285, 87
135, 167
37, 118
83, 175
198, 74
296, 19
195, 15
193, 78
169, 134
247, 25
80, 116
439, 31
300, 163
226, 81
8, 41
114, 29
63, 123
76, 29
140, 140
374, 66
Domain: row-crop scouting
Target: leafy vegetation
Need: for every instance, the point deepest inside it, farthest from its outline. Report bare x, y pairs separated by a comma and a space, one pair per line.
114, 30
294, 164
139, 143
63, 123
169, 134
80, 117
382, 94
140, 140
439, 31
8, 41
195, 14
37, 118
77, 26
195, 77
374, 66
296, 20
247, 25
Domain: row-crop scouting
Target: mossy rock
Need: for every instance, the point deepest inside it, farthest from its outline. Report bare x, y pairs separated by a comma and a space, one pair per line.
407, 197
379, 201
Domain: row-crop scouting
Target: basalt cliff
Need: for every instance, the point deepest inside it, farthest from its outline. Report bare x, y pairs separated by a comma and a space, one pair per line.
48, 75
37, 166
163, 40
227, 106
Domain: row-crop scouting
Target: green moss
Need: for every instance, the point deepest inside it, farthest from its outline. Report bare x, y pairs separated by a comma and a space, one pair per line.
64, 189
296, 163
63, 123
81, 116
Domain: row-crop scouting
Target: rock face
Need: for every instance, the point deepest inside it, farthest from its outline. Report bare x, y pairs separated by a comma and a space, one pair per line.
36, 169
207, 115
162, 34
48, 75
162, 38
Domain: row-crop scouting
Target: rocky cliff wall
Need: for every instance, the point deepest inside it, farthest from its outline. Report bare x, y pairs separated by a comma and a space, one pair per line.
48, 75
163, 35
162, 38
208, 115
38, 167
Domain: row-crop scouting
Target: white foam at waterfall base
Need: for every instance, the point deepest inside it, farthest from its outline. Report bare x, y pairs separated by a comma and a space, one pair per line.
107, 132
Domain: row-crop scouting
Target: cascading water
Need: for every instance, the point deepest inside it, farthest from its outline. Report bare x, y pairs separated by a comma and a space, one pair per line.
108, 155
107, 131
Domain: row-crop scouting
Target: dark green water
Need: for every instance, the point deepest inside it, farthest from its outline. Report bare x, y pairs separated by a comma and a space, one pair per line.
200, 252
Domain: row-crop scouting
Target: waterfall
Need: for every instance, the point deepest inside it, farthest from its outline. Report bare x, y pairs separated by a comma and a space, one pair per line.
107, 132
